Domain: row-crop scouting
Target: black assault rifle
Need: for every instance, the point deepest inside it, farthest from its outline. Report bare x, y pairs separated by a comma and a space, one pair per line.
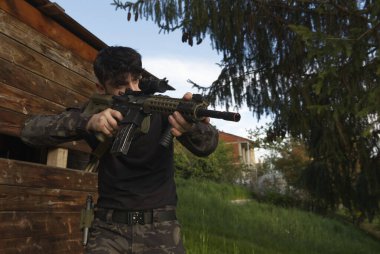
137, 106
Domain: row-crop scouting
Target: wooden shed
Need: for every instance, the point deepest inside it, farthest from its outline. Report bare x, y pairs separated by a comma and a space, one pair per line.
45, 66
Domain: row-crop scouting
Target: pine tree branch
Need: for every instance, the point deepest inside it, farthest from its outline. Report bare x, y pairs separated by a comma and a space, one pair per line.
368, 32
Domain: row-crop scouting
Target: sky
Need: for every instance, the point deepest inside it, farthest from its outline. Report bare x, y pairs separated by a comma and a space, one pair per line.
163, 54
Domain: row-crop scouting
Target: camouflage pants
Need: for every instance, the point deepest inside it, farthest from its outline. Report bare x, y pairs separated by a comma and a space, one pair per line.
117, 238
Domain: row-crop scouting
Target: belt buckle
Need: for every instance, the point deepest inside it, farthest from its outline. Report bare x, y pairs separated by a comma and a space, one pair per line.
136, 217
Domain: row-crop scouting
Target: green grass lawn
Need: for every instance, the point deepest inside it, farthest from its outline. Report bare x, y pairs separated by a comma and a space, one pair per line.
212, 224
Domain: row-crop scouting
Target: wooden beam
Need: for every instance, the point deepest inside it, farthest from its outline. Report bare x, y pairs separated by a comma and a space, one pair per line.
57, 244
42, 176
24, 224
57, 157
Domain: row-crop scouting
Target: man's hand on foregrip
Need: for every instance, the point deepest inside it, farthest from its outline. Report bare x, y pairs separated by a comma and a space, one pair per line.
178, 122
105, 122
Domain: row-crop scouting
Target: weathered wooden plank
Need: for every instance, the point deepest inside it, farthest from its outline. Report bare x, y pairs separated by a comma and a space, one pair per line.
10, 122
27, 58
54, 244
27, 81
31, 16
21, 32
25, 224
18, 173
19, 101
17, 198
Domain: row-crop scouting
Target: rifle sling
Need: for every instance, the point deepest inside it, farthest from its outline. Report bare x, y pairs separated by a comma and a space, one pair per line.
99, 151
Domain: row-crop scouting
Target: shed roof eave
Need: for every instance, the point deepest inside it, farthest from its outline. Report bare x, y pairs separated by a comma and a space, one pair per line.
58, 14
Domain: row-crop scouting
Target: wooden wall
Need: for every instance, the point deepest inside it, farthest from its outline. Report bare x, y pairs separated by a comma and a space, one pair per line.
38, 74
44, 68
40, 207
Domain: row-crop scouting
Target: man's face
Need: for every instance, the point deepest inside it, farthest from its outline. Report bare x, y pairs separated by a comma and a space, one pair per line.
129, 84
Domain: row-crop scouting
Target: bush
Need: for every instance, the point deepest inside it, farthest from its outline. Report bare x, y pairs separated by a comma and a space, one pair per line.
219, 166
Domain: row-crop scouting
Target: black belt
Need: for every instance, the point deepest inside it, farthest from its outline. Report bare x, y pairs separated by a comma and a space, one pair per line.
134, 217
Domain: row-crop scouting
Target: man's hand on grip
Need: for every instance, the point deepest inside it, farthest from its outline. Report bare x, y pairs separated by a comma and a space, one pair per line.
105, 122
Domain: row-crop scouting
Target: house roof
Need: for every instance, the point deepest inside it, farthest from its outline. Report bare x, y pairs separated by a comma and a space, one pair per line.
228, 137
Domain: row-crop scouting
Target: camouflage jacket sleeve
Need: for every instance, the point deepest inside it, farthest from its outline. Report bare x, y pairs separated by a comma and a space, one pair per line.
49, 130
202, 140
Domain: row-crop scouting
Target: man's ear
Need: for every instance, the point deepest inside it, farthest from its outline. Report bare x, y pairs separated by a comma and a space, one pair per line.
100, 89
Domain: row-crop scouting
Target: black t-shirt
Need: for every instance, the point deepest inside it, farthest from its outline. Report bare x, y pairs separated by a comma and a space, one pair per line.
142, 179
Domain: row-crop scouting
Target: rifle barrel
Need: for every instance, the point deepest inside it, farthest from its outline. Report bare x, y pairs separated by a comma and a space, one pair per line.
229, 116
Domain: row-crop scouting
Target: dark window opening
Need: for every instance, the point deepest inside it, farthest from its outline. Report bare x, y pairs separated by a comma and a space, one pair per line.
77, 160
13, 148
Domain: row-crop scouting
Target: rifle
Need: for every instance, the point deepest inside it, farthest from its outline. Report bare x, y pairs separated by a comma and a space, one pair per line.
137, 106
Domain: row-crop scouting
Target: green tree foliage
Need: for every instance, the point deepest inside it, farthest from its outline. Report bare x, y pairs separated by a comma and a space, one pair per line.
219, 166
313, 65
290, 158
292, 161
287, 155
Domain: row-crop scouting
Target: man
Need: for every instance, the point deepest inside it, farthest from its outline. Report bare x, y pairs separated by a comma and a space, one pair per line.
137, 195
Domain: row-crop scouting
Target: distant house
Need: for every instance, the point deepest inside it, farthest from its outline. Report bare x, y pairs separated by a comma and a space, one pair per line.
243, 148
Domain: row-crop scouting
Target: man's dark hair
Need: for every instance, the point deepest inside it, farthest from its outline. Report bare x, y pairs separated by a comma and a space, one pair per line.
113, 64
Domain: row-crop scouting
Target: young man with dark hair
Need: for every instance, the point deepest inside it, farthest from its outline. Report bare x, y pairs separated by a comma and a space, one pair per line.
135, 211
